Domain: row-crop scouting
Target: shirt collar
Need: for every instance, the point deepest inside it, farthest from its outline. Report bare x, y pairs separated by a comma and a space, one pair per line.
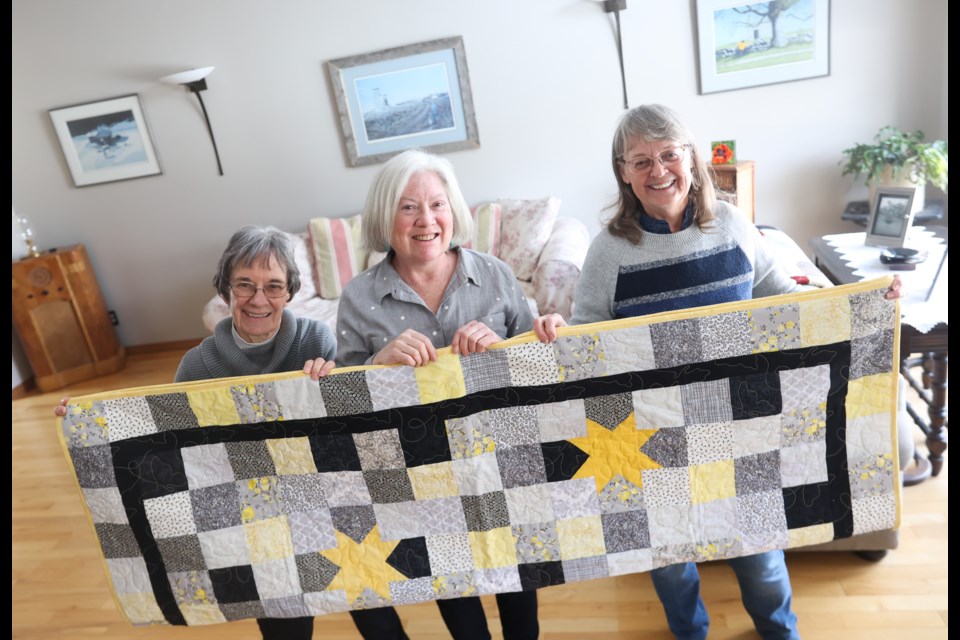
653, 225
387, 282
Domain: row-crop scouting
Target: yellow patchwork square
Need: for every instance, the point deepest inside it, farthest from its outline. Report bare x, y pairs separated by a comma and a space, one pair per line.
433, 481
141, 608
712, 481
197, 614
824, 321
213, 406
493, 549
871, 395
581, 537
441, 380
814, 534
291, 456
268, 539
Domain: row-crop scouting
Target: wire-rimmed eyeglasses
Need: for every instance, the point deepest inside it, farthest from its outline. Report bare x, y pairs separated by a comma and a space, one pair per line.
248, 289
642, 164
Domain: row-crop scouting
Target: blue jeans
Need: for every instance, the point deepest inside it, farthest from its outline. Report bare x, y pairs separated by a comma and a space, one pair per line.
764, 588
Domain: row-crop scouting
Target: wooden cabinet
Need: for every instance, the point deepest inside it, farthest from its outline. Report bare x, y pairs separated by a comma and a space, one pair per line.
734, 184
62, 320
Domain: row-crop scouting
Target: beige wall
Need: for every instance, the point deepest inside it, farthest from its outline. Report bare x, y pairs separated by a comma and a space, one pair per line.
546, 88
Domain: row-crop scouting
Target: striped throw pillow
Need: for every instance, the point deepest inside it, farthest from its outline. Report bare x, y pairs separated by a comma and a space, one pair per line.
337, 255
486, 219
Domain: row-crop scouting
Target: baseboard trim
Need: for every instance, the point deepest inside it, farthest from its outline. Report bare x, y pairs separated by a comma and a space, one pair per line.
25, 388
160, 347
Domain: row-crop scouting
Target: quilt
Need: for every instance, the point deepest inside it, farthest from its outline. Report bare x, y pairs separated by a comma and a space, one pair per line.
624, 446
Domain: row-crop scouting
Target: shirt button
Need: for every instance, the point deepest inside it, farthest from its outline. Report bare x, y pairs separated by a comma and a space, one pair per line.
434, 333
403, 317
372, 308
498, 298
446, 306
343, 333
384, 339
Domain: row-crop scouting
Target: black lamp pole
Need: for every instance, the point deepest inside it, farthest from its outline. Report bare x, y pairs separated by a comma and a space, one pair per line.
196, 87
616, 6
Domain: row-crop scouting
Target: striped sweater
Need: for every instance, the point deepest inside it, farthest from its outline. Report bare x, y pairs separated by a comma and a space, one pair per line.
728, 261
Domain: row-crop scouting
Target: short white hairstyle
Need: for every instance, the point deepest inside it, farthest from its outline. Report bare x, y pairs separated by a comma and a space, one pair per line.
383, 199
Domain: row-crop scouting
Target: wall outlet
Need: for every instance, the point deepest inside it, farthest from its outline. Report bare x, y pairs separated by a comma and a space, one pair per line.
113, 317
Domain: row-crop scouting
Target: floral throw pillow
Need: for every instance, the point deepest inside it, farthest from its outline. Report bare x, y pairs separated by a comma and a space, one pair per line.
525, 227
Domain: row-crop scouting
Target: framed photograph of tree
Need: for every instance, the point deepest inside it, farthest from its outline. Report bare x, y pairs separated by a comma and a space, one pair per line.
747, 44
891, 214
412, 96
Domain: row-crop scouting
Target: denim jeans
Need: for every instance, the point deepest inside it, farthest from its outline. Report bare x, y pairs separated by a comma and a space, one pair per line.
764, 589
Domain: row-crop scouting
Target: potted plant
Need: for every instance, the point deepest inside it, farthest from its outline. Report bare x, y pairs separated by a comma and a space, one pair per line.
896, 156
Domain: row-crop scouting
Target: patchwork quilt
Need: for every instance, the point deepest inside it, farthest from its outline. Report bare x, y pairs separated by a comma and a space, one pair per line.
628, 445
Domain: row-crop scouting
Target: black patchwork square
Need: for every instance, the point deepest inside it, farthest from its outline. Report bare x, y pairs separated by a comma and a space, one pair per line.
181, 554
807, 505
117, 540
536, 575
755, 396
410, 557
758, 473
241, 610
346, 394
334, 452
315, 571
871, 354
625, 530
486, 512
389, 485
521, 466
216, 507
172, 411
94, 466
485, 371
424, 442
562, 460
234, 584
160, 472
250, 459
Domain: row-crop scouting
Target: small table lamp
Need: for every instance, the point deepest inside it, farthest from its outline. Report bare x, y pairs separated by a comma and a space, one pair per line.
195, 81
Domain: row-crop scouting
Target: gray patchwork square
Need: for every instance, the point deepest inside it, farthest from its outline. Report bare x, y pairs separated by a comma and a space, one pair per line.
191, 587
207, 465
85, 425
455, 585
536, 542
380, 449
529, 505
449, 554
580, 357
870, 475
388, 485
870, 313
94, 467
242, 610
485, 371
666, 487
370, 599
469, 436
669, 525
760, 513
756, 435
754, 543
355, 522
676, 343
300, 398
301, 493
311, 531
485, 512
259, 499
216, 507
719, 549
804, 387
181, 554
589, 568
412, 591
708, 401
128, 418
346, 394
250, 459
129, 575
667, 447
625, 531
513, 426
105, 505
345, 488
172, 411
716, 520
532, 364
117, 540
609, 411
709, 442
574, 498
871, 354
628, 349
620, 495
725, 335
498, 580
316, 572
672, 554
393, 387
561, 420
256, 402
288, 607
757, 473
441, 516
774, 328
521, 466
398, 521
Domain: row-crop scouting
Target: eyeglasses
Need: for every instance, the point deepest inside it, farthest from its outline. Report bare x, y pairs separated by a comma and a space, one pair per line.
248, 289
643, 164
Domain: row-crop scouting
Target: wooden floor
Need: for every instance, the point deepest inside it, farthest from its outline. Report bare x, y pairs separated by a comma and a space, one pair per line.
60, 588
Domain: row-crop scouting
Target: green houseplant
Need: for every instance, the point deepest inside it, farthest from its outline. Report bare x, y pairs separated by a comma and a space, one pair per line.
895, 155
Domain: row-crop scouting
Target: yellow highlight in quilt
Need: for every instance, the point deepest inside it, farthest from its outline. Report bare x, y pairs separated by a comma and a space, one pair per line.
363, 565
141, 608
441, 380
824, 321
614, 452
581, 537
197, 614
493, 549
213, 407
268, 539
291, 456
431, 481
712, 481
814, 534
869, 395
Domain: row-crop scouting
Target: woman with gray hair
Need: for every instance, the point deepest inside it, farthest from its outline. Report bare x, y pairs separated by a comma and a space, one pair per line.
430, 292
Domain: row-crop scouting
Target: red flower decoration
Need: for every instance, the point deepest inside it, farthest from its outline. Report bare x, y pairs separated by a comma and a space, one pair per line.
722, 154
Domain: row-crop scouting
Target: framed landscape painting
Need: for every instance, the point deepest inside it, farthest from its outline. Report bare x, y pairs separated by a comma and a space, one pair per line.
105, 141
417, 95
746, 44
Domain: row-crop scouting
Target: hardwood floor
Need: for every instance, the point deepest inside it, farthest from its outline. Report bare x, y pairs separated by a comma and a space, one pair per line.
60, 589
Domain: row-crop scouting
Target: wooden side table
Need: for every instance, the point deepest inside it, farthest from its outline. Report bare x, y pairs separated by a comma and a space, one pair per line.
62, 320
735, 184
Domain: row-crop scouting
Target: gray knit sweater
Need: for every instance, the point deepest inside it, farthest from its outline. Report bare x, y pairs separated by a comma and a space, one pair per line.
218, 356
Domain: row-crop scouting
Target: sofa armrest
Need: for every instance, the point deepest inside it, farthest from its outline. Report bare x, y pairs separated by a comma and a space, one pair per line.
558, 267
792, 258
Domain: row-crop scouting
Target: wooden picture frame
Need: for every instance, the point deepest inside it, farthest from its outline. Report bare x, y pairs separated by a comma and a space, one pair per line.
416, 95
742, 45
891, 215
106, 140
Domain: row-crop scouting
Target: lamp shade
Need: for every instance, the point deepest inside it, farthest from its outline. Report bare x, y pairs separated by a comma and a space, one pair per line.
185, 77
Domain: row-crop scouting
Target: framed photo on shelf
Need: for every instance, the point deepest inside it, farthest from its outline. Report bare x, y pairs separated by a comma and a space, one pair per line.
747, 44
891, 214
417, 95
105, 141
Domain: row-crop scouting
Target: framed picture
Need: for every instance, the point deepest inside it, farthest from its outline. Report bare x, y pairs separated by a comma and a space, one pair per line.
746, 44
412, 96
891, 214
106, 141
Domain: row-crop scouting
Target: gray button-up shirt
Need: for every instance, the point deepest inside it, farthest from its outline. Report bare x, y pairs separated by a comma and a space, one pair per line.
377, 306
